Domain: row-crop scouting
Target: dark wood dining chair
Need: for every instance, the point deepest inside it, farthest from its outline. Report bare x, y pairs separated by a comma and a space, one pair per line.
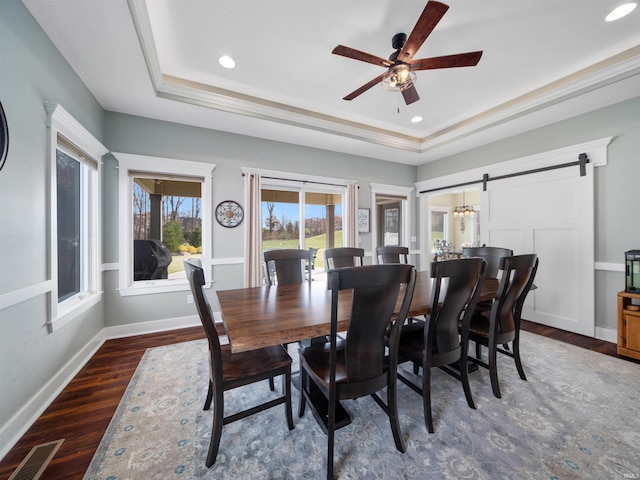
289, 266
231, 370
358, 366
391, 254
340, 257
492, 255
502, 324
456, 286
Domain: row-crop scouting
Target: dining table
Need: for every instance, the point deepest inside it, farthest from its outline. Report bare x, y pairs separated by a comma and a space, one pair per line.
258, 317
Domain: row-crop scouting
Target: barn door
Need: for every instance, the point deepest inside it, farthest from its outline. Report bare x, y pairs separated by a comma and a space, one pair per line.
549, 213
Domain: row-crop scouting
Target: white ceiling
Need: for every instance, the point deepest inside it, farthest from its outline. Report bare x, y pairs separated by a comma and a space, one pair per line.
543, 61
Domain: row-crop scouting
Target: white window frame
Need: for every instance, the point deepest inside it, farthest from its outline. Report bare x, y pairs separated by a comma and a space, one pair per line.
302, 189
128, 163
438, 209
60, 122
398, 191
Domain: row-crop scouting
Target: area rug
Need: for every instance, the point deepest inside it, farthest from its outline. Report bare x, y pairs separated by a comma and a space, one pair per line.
577, 416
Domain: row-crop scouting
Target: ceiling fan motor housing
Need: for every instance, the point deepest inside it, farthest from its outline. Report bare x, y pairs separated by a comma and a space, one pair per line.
398, 40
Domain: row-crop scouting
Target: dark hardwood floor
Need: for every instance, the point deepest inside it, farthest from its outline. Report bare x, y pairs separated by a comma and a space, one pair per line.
81, 413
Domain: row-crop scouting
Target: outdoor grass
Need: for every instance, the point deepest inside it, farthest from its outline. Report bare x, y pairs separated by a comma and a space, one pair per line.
319, 242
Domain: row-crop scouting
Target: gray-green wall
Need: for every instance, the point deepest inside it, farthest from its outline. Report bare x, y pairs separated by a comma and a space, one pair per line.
229, 152
617, 185
32, 71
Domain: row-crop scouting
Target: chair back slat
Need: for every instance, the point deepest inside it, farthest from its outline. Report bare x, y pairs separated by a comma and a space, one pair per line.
518, 273
392, 254
492, 255
195, 276
375, 290
341, 257
289, 265
453, 301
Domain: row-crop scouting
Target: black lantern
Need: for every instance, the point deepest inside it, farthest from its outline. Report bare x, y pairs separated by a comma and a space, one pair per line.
632, 269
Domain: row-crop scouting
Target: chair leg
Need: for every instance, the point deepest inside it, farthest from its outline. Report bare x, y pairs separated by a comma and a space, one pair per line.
416, 368
464, 376
477, 349
207, 402
287, 396
493, 368
272, 386
516, 356
392, 407
330, 436
216, 429
303, 388
426, 398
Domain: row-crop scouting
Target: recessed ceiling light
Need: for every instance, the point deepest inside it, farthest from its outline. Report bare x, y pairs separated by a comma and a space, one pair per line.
416, 119
226, 62
621, 11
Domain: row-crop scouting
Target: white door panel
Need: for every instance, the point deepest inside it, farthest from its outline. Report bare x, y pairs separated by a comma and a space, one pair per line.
551, 214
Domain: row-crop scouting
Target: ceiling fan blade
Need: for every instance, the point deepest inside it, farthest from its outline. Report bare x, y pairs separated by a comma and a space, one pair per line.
362, 56
448, 61
365, 87
431, 15
410, 94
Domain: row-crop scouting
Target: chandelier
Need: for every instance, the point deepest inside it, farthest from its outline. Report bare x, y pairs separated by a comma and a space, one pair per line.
463, 211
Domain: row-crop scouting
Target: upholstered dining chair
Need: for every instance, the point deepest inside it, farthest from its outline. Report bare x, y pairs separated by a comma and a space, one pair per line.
502, 324
391, 254
456, 286
290, 266
231, 370
343, 257
358, 366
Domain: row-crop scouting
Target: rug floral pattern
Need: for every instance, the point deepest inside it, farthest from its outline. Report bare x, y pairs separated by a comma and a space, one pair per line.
577, 416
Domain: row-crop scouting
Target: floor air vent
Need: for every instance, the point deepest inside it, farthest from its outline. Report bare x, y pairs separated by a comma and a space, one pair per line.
34, 464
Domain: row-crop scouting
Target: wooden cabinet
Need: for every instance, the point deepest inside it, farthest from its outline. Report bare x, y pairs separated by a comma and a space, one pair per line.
628, 325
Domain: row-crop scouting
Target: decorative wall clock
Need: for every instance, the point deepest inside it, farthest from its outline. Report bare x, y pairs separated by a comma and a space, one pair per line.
4, 137
229, 214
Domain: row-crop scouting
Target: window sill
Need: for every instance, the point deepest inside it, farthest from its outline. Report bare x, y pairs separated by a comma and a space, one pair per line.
154, 286
68, 312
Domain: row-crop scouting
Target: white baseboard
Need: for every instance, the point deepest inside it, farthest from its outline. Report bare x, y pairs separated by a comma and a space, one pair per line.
13, 430
155, 326
607, 334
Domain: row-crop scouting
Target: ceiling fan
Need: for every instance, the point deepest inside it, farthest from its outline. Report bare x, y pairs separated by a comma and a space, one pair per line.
400, 66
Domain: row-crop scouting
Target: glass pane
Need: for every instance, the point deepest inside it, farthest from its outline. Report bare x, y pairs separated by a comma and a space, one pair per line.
391, 224
389, 220
438, 222
167, 226
69, 225
280, 219
323, 224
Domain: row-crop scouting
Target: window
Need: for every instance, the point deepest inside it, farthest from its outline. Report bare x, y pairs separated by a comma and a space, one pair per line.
165, 216
75, 245
438, 221
390, 220
315, 223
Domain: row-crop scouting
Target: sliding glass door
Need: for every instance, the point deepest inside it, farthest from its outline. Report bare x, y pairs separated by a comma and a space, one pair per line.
302, 216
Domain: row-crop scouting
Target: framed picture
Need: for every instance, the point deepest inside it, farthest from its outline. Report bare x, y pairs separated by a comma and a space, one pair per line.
363, 220
4, 137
